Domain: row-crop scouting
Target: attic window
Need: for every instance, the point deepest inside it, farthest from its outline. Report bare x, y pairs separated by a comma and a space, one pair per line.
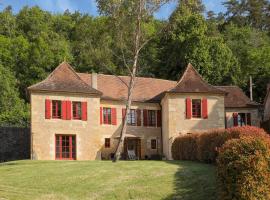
56, 109
196, 108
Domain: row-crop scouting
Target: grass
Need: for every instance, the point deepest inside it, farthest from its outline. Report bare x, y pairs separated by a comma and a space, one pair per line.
59, 180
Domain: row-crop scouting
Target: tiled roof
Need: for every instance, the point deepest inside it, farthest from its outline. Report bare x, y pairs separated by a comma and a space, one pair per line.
236, 98
64, 79
114, 87
192, 82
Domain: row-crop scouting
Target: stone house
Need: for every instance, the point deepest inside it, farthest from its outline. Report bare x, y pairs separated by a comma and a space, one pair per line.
79, 116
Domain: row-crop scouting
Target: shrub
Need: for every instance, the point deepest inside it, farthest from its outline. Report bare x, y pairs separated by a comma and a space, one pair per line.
243, 169
204, 146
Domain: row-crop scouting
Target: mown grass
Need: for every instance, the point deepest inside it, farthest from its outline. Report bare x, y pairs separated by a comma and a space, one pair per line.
59, 180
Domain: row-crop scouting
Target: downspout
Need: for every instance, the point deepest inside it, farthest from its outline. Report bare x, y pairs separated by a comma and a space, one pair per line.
161, 134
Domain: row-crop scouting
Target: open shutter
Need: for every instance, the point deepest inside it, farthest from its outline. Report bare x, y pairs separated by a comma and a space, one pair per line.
235, 119
204, 108
47, 109
63, 110
145, 118
84, 111
100, 115
249, 119
138, 112
114, 119
188, 108
68, 105
159, 118
123, 114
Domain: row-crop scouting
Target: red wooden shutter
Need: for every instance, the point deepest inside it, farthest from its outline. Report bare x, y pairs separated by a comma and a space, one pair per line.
235, 119
68, 105
47, 109
138, 111
204, 108
159, 118
100, 115
84, 111
123, 114
145, 117
114, 119
188, 108
63, 110
249, 119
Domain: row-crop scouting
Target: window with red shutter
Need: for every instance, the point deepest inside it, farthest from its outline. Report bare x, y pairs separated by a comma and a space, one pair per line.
152, 119
76, 110
114, 116
56, 109
107, 116
188, 108
131, 118
47, 109
84, 111
196, 108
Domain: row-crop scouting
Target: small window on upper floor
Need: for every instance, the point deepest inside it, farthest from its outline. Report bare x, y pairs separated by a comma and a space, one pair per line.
196, 108
56, 109
77, 110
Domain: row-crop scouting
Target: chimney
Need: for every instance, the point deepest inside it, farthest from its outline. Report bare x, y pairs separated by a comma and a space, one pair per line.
94, 80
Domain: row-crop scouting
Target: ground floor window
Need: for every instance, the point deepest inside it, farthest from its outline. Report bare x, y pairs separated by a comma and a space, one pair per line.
107, 143
153, 144
65, 147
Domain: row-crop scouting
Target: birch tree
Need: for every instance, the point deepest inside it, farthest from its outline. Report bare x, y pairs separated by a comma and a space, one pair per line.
128, 19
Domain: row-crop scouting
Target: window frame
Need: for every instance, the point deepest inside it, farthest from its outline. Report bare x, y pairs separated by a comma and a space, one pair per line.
152, 118
132, 118
154, 144
77, 112
196, 108
72, 151
107, 143
107, 115
56, 109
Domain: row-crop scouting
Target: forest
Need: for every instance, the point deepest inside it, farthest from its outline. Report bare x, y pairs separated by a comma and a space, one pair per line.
226, 48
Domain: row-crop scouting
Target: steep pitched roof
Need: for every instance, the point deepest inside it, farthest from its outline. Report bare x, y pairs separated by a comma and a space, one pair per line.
114, 88
192, 82
236, 98
64, 79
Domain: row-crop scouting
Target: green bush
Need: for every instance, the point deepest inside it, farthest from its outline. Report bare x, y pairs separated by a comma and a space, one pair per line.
243, 169
204, 147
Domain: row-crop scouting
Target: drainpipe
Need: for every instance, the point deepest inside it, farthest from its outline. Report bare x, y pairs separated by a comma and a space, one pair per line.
161, 138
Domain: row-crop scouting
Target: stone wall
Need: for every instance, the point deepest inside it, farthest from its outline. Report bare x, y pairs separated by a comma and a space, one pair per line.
14, 143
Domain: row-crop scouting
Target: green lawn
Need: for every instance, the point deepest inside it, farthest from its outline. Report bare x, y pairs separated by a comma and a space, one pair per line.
53, 180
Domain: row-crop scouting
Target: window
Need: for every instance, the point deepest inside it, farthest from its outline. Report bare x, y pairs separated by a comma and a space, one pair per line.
131, 119
153, 144
107, 143
77, 110
196, 108
65, 147
244, 119
56, 109
107, 116
151, 118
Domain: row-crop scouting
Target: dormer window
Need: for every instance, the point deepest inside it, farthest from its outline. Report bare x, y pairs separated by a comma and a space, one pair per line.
56, 109
196, 108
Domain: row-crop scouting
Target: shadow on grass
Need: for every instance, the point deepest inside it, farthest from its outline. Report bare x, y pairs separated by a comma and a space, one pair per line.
193, 181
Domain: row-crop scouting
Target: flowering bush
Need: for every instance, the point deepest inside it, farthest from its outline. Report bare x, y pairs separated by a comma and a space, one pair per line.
243, 168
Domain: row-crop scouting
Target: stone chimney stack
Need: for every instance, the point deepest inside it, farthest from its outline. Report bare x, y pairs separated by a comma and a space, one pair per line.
94, 80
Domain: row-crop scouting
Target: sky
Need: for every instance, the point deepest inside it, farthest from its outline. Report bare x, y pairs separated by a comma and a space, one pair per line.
89, 6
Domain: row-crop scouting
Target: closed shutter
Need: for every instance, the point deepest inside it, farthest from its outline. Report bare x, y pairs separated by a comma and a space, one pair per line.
249, 119
235, 119
123, 114
84, 111
204, 108
159, 118
68, 105
114, 118
138, 112
63, 110
188, 108
145, 118
47, 109
100, 115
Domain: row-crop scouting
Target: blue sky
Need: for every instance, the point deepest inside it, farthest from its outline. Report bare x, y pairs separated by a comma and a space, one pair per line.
89, 6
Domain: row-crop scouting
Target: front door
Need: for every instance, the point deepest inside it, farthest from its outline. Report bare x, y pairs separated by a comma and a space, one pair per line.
132, 144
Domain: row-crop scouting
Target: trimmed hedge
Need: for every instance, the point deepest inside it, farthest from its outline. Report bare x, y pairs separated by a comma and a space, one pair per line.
204, 147
243, 168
